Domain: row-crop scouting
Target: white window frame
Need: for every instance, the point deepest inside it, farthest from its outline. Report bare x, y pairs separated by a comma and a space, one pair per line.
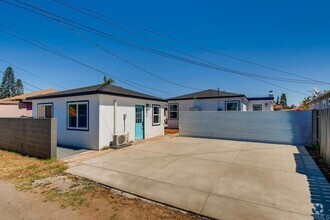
256, 105
153, 114
177, 111
77, 103
230, 102
44, 106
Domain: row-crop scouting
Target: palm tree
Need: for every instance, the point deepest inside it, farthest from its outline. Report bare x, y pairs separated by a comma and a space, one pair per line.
108, 81
305, 103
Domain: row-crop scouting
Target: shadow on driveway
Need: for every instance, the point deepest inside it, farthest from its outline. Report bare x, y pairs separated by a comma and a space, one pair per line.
318, 185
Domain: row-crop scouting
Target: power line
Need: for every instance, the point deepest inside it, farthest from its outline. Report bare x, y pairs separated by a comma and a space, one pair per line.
86, 28
90, 41
26, 71
85, 11
43, 47
82, 9
114, 38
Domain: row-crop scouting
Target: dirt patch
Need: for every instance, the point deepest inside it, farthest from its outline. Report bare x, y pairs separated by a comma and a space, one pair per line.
171, 131
315, 154
89, 199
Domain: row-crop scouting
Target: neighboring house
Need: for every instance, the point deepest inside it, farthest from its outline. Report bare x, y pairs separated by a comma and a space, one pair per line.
19, 106
320, 102
93, 117
215, 100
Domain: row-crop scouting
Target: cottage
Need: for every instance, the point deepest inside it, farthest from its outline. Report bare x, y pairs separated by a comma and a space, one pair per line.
215, 100
98, 116
19, 106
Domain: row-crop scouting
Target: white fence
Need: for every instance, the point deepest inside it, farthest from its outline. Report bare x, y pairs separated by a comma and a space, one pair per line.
273, 127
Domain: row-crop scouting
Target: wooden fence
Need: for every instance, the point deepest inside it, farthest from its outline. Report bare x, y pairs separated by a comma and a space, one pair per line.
321, 132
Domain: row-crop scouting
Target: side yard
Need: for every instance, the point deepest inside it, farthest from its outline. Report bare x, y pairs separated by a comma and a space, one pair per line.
36, 181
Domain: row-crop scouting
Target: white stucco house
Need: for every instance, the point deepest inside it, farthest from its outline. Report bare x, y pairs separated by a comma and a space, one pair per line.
215, 100
94, 117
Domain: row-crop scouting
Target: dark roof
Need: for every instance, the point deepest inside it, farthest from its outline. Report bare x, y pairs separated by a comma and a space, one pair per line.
207, 94
99, 89
261, 98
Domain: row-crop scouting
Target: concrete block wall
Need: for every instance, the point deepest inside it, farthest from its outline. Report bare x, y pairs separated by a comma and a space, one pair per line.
29, 136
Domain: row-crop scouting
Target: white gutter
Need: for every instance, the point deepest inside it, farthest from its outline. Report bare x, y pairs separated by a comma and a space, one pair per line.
115, 116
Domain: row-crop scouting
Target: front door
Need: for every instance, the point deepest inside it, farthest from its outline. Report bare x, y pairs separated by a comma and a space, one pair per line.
139, 122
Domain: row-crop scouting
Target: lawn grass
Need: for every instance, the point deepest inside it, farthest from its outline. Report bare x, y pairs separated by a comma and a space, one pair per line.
23, 171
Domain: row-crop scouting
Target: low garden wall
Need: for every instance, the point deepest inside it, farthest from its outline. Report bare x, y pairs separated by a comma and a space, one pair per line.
29, 136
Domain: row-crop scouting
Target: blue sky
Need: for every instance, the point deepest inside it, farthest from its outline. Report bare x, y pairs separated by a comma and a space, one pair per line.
289, 35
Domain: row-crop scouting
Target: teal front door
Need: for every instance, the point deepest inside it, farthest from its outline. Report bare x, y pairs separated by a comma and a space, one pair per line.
139, 122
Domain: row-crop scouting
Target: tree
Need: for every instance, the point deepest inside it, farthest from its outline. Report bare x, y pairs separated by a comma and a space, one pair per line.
9, 87
277, 100
108, 81
305, 103
8, 83
283, 100
19, 87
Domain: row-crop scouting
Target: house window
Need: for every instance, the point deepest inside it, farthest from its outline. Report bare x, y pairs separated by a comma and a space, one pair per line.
232, 106
257, 107
77, 115
155, 114
174, 110
45, 110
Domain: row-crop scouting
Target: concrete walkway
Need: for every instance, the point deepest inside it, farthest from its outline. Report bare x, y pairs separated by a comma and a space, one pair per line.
216, 178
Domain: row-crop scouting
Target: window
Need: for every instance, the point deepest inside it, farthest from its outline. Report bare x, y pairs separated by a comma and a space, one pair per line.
45, 110
155, 115
232, 106
78, 115
257, 107
174, 108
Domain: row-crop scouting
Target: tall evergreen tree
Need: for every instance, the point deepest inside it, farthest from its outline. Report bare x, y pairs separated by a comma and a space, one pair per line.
8, 87
277, 100
283, 100
19, 87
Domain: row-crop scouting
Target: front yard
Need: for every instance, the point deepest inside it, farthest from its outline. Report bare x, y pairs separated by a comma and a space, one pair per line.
47, 180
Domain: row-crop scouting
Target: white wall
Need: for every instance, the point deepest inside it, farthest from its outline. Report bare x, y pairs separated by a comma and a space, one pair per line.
84, 139
126, 106
269, 107
204, 105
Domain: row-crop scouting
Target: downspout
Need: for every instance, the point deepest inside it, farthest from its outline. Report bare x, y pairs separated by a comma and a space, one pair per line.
115, 116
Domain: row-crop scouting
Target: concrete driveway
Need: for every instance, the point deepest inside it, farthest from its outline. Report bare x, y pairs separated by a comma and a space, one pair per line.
216, 178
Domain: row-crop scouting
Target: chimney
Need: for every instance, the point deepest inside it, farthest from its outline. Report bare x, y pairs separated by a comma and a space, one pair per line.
271, 93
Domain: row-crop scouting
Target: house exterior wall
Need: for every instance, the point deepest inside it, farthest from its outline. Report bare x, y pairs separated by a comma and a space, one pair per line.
204, 105
322, 102
126, 106
77, 138
267, 105
15, 110
101, 119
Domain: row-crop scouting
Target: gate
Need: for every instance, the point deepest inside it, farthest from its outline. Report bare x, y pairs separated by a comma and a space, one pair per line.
284, 127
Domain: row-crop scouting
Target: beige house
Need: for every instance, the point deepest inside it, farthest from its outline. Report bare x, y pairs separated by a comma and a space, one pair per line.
18, 106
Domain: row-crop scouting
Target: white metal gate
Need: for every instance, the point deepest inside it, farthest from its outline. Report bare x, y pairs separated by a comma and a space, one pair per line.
274, 127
